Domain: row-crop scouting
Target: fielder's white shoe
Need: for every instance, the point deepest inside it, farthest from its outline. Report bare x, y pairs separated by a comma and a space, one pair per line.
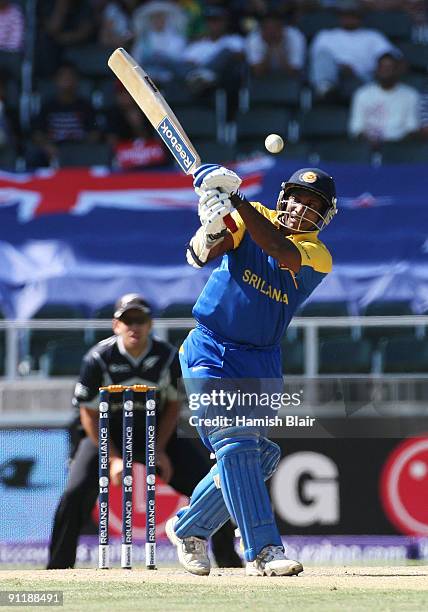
271, 561
192, 551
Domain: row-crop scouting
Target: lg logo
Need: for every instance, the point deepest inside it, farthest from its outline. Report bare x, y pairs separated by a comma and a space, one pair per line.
305, 490
168, 503
16, 473
404, 486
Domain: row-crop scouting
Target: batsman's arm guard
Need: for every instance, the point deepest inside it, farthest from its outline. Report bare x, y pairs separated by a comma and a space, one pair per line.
199, 247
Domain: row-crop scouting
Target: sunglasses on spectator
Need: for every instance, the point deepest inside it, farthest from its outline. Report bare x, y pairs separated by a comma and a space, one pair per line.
134, 319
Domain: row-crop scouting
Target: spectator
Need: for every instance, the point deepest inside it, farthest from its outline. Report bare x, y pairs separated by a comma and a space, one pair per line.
343, 58
131, 136
116, 27
11, 26
63, 24
7, 122
385, 110
424, 113
70, 22
382, 5
194, 19
275, 47
416, 9
66, 118
217, 57
160, 39
242, 14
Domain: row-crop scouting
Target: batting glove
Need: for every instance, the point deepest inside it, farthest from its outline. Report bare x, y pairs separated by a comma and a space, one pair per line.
213, 176
199, 247
210, 201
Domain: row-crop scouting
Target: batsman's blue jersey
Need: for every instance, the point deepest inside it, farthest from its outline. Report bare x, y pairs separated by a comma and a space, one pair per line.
249, 298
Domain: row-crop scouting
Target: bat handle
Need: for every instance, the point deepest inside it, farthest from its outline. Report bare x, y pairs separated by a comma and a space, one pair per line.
229, 222
228, 219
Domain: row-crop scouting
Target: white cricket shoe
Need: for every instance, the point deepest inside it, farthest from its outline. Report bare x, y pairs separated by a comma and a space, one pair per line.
271, 561
192, 551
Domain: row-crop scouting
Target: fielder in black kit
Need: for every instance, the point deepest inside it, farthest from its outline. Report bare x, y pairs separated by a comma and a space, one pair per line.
131, 356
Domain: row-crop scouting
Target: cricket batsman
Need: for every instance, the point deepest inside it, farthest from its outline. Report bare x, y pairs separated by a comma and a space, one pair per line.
270, 264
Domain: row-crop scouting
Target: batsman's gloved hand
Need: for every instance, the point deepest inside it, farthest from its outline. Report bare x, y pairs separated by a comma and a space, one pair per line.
213, 207
199, 247
213, 176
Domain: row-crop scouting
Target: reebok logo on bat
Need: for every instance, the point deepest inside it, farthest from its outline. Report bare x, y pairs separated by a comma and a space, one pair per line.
175, 143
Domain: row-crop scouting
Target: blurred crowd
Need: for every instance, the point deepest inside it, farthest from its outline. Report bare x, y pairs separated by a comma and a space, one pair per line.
328, 46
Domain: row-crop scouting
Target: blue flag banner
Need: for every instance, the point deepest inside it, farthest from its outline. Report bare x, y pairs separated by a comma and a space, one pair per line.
84, 236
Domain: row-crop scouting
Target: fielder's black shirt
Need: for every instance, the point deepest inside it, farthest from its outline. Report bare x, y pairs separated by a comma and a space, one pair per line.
108, 363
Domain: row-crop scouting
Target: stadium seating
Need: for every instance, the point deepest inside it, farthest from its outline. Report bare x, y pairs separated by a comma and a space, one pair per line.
58, 310
73, 154
8, 159
103, 94
177, 311
396, 25
2, 348
292, 356
324, 309
46, 89
313, 21
90, 60
280, 91
253, 127
62, 358
404, 355
40, 338
404, 152
295, 150
345, 356
387, 308
329, 309
198, 122
105, 312
10, 63
415, 79
416, 56
12, 94
214, 152
342, 149
324, 121
179, 96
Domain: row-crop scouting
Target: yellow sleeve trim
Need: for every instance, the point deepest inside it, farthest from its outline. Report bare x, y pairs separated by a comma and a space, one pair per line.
314, 254
238, 235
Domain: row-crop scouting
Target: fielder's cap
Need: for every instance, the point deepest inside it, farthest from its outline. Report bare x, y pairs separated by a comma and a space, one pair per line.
131, 301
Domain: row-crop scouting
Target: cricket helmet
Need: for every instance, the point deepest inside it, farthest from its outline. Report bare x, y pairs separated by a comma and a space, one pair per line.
316, 181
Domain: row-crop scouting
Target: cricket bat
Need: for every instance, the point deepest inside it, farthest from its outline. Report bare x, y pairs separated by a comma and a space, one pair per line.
147, 96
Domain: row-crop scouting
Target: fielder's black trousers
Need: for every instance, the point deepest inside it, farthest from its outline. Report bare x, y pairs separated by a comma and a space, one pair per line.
190, 463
